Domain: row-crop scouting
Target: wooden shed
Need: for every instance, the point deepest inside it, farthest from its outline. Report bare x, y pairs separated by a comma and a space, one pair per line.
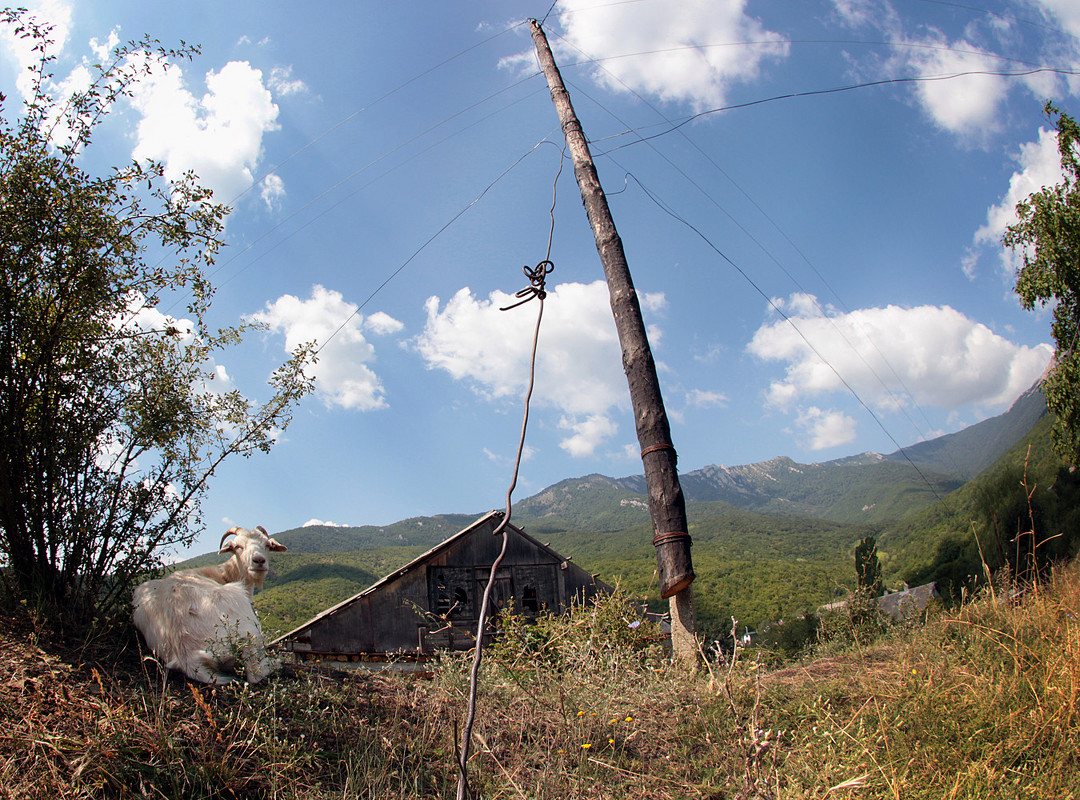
433, 602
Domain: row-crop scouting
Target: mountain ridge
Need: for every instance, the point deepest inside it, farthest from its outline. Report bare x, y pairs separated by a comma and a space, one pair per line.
770, 538
861, 488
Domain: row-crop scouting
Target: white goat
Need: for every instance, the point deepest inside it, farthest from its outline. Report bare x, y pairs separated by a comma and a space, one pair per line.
201, 621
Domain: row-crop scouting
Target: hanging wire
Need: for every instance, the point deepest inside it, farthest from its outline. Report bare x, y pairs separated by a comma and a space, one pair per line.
787, 318
536, 288
693, 182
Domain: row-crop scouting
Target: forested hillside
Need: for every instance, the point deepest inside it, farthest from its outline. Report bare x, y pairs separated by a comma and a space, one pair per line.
785, 547
1025, 501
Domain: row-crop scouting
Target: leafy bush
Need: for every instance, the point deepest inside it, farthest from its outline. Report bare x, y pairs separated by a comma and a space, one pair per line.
109, 430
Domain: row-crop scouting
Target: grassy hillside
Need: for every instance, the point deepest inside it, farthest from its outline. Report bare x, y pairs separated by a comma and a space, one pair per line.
862, 489
982, 703
423, 531
966, 453
752, 566
755, 567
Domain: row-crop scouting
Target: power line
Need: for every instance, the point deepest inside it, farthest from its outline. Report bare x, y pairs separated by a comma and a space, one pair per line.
434, 236
366, 167
781, 41
839, 89
674, 215
372, 104
774, 259
999, 15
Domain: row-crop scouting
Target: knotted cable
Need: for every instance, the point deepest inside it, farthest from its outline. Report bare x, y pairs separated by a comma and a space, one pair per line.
537, 276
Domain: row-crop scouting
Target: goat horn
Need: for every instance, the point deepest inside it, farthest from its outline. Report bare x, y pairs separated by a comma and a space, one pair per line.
261, 528
227, 534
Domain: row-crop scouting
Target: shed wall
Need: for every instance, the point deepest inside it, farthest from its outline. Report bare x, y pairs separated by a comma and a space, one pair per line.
435, 603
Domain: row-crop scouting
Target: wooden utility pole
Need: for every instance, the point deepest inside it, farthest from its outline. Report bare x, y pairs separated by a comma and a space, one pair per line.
667, 507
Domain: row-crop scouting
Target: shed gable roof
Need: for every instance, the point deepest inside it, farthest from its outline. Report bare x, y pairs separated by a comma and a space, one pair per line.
489, 520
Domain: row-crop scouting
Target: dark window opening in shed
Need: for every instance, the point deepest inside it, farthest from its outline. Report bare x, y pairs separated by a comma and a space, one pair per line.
452, 601
442, 601
461, 602
529, 600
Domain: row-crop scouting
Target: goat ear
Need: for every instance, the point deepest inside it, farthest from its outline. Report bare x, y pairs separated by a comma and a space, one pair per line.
277, 546
228, 547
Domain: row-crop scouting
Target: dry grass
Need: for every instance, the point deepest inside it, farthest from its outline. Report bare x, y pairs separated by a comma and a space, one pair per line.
980, 703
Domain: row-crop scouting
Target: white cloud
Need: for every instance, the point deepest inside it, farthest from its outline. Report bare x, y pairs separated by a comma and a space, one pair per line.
1067, 12
969, 105
704, 399
663, 48
939, 356
140, 317
223, 382
272, 191
961, 105
101, 50
382, 324
860, 13
579, 362
143, 318
527, 454
283, 83
588, 434
343, 376
1040, 165
1067, 15
826, 429
313, 522
55, 13
218, 136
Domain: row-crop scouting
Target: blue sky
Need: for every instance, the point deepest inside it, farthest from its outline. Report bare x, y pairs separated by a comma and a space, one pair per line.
820, 270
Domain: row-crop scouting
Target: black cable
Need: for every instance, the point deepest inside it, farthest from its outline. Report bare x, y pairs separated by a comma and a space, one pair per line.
667, 210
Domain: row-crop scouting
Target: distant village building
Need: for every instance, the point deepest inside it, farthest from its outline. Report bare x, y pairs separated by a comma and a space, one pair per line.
908, 603
433, 602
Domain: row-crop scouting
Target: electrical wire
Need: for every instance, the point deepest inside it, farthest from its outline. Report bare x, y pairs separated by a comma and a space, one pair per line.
851, 389
536, 277
433, 237
363, 169
839, 89
909, 395
370, 105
